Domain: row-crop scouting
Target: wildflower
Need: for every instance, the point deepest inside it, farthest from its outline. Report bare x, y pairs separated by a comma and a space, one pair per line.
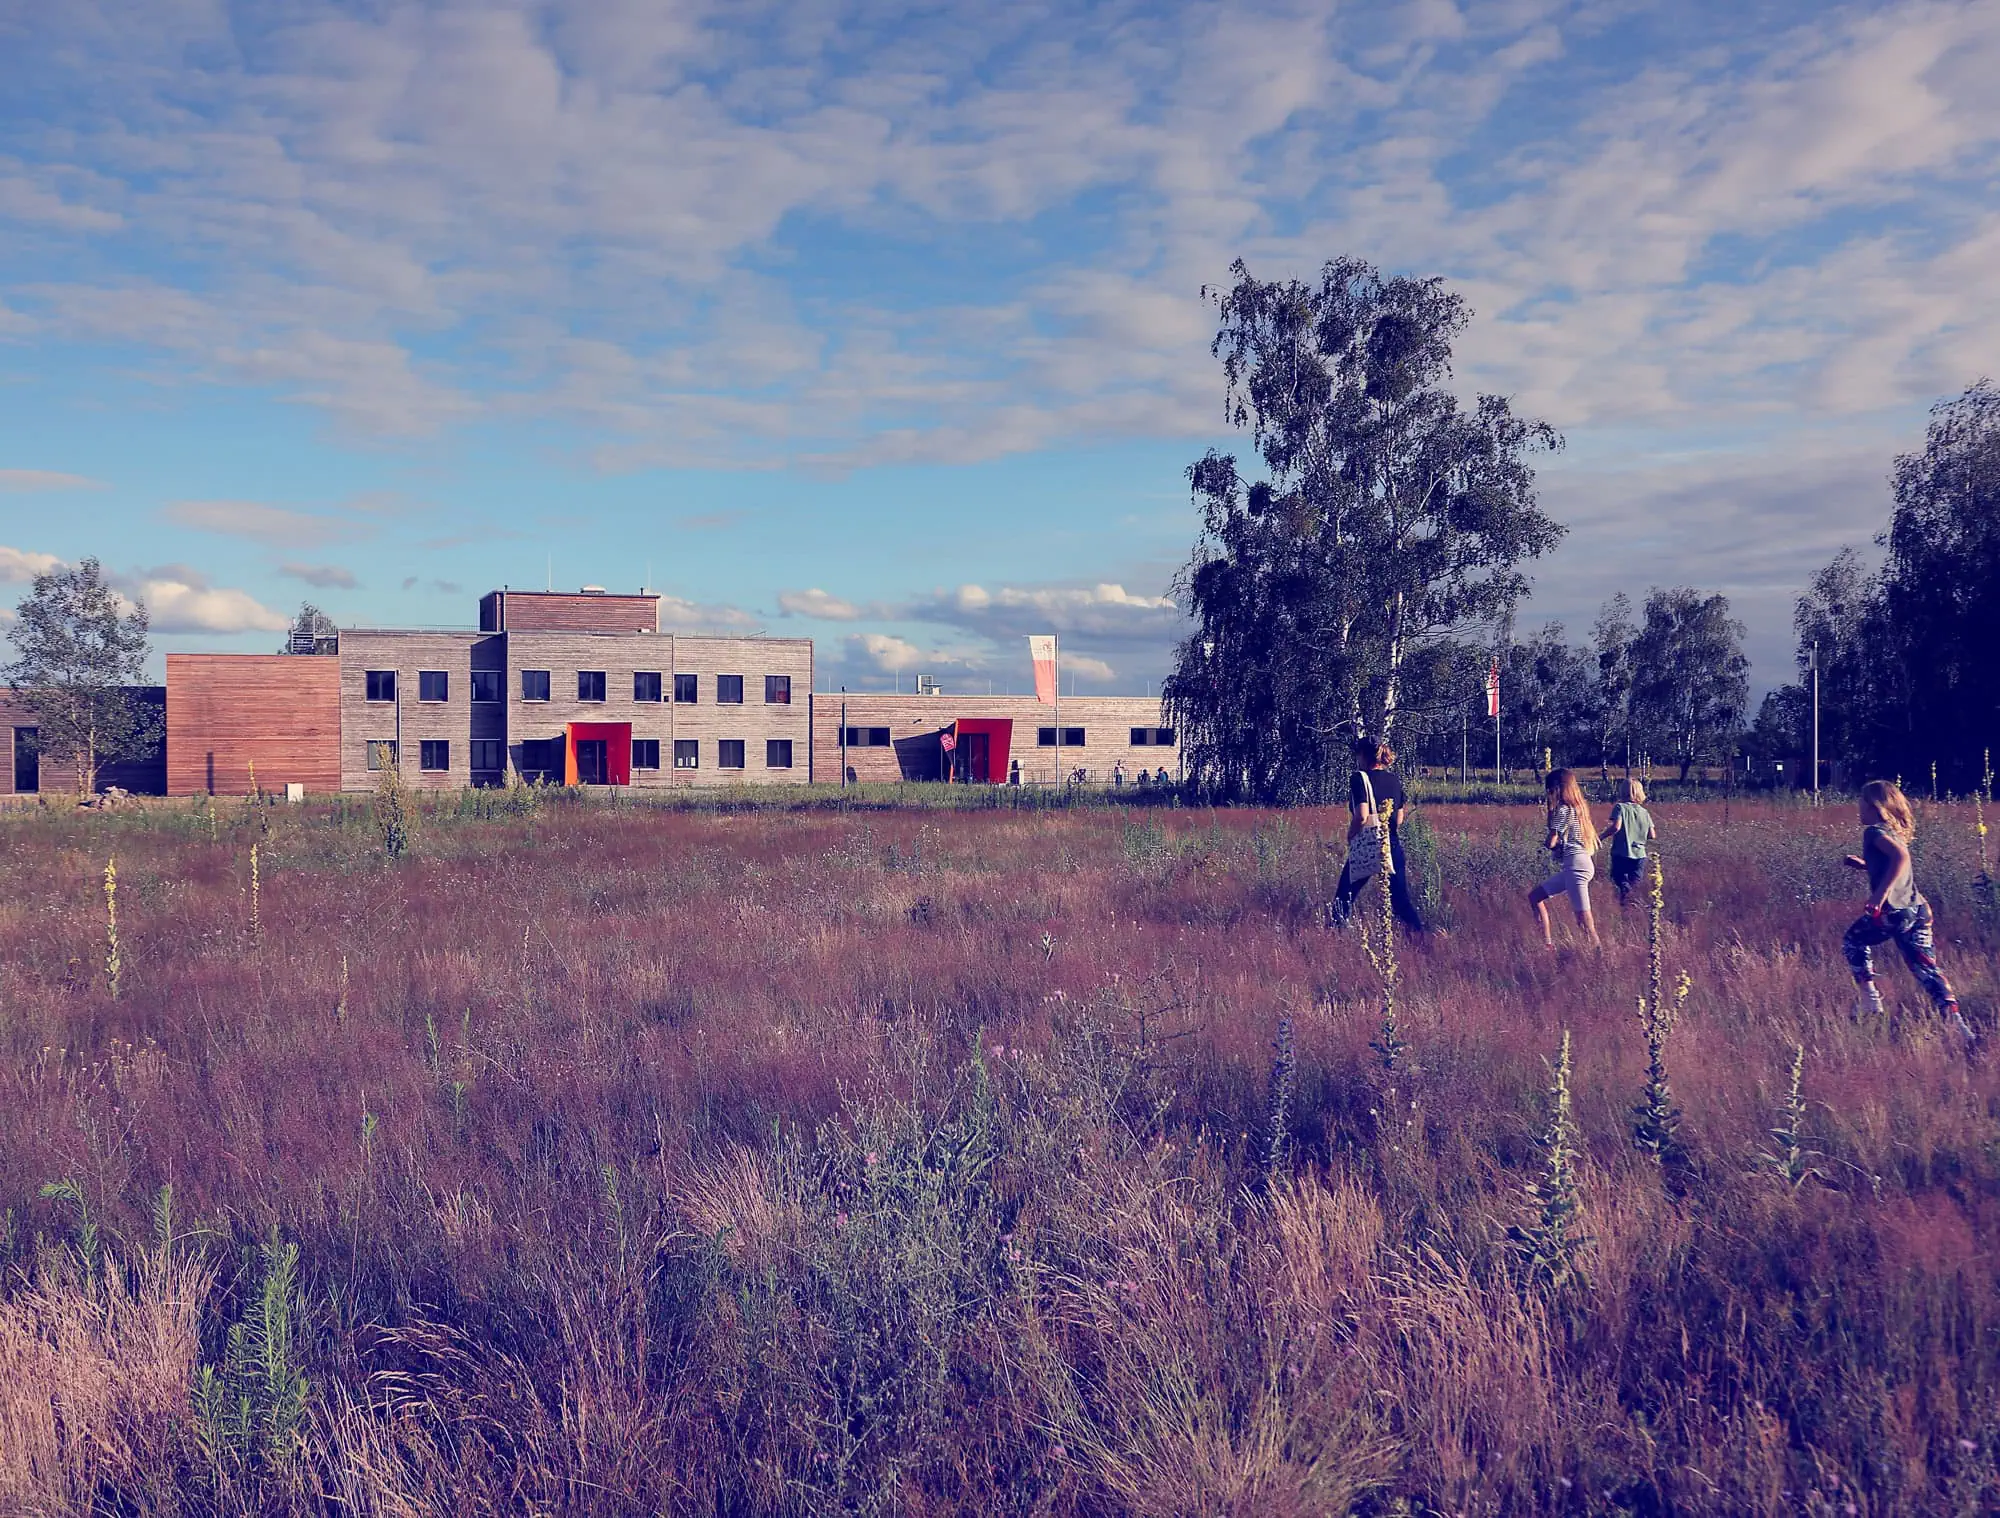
1059, 1452
868, 1158
840, 1220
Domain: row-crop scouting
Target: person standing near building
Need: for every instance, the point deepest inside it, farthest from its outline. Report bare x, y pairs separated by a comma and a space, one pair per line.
1896, 908
1572, 841
1376, 800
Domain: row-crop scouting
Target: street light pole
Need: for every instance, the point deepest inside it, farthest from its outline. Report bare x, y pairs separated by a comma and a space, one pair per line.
1815, 735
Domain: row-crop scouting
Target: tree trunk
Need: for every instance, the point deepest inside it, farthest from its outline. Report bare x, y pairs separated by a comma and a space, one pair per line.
1393, 685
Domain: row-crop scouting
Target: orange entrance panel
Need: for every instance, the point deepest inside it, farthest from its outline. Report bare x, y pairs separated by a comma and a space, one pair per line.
612, 764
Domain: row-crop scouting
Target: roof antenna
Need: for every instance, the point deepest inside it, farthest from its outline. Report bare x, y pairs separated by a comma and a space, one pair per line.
552, 572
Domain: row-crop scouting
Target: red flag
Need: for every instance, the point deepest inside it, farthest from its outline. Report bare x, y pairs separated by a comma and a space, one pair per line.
950, 739
1042, 649
1493, 689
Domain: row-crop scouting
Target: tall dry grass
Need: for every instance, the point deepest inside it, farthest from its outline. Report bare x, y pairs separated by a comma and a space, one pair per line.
905, 1162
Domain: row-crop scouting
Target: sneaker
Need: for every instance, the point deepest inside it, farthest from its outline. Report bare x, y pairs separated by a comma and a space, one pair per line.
1955, 1020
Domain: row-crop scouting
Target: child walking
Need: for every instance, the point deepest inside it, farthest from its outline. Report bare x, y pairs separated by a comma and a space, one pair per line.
1630, 830
1896, 908
1572, 841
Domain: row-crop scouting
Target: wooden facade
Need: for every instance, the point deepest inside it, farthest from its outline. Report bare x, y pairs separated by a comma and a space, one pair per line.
24, 771
226, 712
586, 611
912, 728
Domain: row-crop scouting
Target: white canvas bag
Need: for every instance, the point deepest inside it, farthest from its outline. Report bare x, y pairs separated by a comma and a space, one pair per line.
1364, 849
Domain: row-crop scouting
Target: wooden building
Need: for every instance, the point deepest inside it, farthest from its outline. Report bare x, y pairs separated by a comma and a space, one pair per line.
887, 738
26, 771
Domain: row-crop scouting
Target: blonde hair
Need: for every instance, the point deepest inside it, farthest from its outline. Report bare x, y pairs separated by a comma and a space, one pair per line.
1891, 807
1629, 789
1564, 790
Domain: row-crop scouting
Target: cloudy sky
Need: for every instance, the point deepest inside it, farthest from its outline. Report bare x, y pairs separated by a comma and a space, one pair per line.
882, 322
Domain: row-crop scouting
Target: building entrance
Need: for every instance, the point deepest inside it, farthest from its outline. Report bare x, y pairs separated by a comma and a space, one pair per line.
27, 761
592, 766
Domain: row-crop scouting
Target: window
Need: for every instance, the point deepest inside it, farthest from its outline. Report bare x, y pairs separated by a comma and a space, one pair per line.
590, 685
381, 685
777, 690
729, 690
868, 737
381, 753
433, 685
646, 751
534, 685
543, 758
777, 753
1152, 737
434, 754
729, 754
486, 756
646, 687
1072, 737
687, 689
486, 685
687, 754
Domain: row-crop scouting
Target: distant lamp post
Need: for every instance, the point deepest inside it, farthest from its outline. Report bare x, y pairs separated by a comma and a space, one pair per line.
1812, 662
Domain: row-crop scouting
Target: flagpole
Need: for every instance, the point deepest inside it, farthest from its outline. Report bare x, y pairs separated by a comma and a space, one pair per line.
1055, 647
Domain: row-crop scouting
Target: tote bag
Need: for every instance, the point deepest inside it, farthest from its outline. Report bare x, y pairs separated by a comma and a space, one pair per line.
1364, 849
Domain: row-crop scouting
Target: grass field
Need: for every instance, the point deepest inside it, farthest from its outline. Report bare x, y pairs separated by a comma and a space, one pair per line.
607, 1160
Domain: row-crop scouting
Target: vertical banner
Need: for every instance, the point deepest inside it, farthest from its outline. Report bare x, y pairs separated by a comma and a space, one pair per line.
1493, 690
1042, 649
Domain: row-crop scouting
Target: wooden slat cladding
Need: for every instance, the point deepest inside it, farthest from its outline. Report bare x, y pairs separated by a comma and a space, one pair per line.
226, 711
913, 722
561, 611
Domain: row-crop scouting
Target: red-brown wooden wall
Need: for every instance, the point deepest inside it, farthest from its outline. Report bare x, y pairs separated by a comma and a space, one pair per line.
226, 711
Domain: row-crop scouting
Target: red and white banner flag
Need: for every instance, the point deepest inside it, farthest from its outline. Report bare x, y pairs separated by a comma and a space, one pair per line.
1493, 690
1042, 649
950, 739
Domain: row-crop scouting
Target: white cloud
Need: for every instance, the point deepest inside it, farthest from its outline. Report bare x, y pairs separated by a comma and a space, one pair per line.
177, 606
323, 576
262, 523
18, 565
35, 480
1100, 613
677, 613
818, 603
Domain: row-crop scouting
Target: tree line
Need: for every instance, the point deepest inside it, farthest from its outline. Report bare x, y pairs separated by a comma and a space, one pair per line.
1369, 579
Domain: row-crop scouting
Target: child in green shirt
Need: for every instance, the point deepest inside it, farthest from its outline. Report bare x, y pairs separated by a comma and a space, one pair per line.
1630, 830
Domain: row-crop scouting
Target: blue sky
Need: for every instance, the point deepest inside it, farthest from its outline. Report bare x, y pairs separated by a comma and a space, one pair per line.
882, 323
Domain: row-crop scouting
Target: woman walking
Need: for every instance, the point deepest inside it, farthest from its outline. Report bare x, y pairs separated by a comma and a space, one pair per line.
1572, 840
1896, 908
1375, 800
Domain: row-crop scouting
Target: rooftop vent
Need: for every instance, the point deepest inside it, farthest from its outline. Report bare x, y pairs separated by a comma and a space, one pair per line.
591, 590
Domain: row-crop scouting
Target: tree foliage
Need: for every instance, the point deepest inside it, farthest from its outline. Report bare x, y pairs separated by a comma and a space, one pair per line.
1905, 651
1690, 678
1389, 519
79, 647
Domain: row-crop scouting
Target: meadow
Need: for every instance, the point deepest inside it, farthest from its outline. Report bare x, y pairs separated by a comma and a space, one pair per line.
604, 1159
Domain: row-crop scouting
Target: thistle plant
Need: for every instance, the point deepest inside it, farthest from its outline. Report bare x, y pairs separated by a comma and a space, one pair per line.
251, 1407
1389, 1043
1982, 884
255, 794
1656, 1120
114, 963
1551, 1240
1278, 1100
1791, 1161
392, 810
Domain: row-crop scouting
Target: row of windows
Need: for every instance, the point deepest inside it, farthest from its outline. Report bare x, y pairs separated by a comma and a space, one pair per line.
1045, 737
647, 686
488, 756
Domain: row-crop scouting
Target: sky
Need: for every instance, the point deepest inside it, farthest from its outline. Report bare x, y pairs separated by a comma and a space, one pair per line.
884, 323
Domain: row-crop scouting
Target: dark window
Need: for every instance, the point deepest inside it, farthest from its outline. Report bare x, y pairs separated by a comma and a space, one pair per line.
646, 752
590, 685
28, 760
381, 685
646, 687
486, 755
542, 758
381, 753
534, 685
1152, 737
434, 754
729, 690
868, 737
687, 754
433, 685
486, 685
777, 690
729, 754
777, 753
1072, 737
687, 689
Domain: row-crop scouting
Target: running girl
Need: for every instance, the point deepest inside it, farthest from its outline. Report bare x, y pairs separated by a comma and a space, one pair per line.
1572, 841
1631, 829
1896, 908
